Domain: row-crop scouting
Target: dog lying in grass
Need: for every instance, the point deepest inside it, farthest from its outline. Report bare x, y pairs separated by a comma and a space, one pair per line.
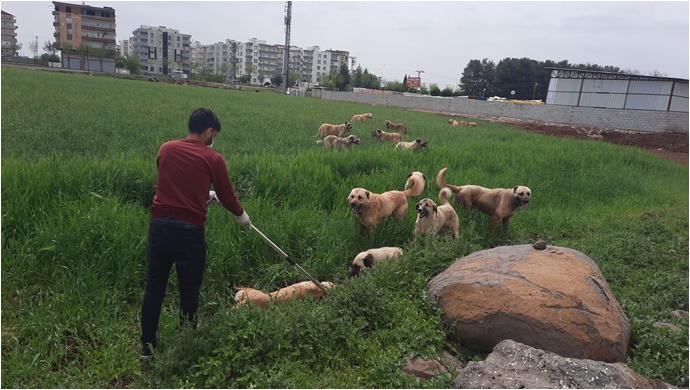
245, 295
433, 219
362, 117
398, 127
499, 203
371, 257
329, 129
385, 136
340, 143
417, 144
370, 208
455, 123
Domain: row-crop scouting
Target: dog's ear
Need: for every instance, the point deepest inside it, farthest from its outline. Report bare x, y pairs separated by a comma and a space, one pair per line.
367, 193
515, 189
369, 260
424, 177
435, 209
408, 175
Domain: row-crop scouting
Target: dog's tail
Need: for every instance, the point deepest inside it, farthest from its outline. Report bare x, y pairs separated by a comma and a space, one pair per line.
444, 194
440, 181
414, 186
319, 142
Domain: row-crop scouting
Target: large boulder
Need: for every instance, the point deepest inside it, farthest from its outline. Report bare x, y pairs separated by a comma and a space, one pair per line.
513, 365
554, 299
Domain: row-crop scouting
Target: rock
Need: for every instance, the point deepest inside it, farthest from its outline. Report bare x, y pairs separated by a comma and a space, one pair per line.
426, 369
559, 303
539, 245
679, 314
666, 325
513, 365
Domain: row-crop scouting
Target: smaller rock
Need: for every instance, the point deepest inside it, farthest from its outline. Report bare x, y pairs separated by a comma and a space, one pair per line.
539, 245
667, 326
422, 368
679, 314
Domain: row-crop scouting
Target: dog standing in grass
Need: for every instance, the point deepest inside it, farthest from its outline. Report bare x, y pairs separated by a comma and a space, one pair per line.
416, 145
370, 208
362, 117
329, 129
371, 257
499, 203
433, 219
335, 142
399, 127
385, 136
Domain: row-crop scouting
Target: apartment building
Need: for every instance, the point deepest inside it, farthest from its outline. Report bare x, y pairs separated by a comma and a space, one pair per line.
9, 34
216, 58
161, 50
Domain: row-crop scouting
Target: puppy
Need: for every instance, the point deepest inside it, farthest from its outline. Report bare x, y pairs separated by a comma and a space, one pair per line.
362, 117
301, 289
433, 219
385, 136
333, 141
370, 208
417, 144
399, 127
329, 129
499, 203
371, 257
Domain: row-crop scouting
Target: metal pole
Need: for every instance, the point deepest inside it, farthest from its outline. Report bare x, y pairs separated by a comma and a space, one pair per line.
286, 54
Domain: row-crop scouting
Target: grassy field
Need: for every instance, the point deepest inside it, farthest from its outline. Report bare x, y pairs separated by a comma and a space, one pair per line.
78, 176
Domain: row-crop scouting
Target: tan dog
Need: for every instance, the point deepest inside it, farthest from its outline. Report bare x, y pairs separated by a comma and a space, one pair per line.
433, 219
500, 203
385, 136
362, 117
329, 129
399, 127
371, 257
370, 208
417, 144
415, 178
333, 141
453, 122
471, 124
245, 295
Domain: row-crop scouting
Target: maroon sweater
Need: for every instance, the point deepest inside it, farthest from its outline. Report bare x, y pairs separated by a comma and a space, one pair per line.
186, 170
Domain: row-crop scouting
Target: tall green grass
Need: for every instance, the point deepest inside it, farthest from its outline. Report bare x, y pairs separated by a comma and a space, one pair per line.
78, 175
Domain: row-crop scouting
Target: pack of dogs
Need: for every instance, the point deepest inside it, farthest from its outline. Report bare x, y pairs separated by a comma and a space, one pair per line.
371, 208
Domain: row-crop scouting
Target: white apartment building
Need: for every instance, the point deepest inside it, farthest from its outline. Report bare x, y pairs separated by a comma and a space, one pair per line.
9, 33
161, 50
216, 58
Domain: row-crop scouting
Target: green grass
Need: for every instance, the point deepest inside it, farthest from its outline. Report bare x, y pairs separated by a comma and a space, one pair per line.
78, 175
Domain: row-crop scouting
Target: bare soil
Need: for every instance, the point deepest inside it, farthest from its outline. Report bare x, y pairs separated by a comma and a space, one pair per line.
671, 146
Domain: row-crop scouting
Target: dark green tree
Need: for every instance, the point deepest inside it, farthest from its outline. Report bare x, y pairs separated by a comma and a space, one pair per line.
342, 81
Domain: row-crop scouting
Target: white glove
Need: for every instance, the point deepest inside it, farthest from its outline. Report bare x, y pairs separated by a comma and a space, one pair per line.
244, 219
213, 198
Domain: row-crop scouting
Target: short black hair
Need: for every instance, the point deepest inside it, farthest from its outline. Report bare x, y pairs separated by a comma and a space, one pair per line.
201, 119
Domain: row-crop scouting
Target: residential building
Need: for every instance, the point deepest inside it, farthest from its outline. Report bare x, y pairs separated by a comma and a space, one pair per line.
216, 58
161, 50
9, 34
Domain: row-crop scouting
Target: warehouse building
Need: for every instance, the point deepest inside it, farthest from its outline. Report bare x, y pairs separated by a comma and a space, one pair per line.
585, 88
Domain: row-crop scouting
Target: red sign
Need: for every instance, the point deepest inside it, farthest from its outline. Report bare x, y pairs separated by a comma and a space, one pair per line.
414, 82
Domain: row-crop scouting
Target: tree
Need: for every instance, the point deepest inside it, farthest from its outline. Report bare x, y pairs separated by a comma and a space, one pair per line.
477, 76
133, 64
342, 80
435, 90
84, 50
51, 48
224, 71
33, 46
277, 79
16, 46
357, 77
66, 47
370, 80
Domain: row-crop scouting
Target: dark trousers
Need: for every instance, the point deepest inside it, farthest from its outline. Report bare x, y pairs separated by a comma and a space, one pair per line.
172, 241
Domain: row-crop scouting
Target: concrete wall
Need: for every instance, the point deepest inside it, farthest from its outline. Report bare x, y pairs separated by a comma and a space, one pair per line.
637, 120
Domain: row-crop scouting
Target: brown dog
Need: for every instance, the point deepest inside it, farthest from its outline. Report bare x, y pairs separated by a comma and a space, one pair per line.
399, 127
245, 295
433, 219
370, 208
362, 117
385, 136
329, 129
453, 122
335, 142
500, 203
417, 144
371, 257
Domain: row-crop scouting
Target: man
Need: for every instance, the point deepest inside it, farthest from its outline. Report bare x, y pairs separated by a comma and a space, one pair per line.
186, 170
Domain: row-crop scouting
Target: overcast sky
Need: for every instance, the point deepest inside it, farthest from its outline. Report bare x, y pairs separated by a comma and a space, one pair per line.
394, 38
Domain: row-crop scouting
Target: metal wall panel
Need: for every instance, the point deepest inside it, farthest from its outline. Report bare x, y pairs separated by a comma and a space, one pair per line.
563, 98
647, 87
680, 89
565, 85
647, 102
602, 100
607, 86
679, 104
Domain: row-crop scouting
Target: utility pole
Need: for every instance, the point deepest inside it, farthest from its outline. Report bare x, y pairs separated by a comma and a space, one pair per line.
419, 72
534, 91
286, 55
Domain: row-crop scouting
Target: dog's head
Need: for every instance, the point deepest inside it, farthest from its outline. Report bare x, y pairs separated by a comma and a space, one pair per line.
352, 139
420, 143
359, 199
369, 115
376, 133
410, 179
348, 126
388, 124
426, 207
363, 260
451, 121
522, 195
